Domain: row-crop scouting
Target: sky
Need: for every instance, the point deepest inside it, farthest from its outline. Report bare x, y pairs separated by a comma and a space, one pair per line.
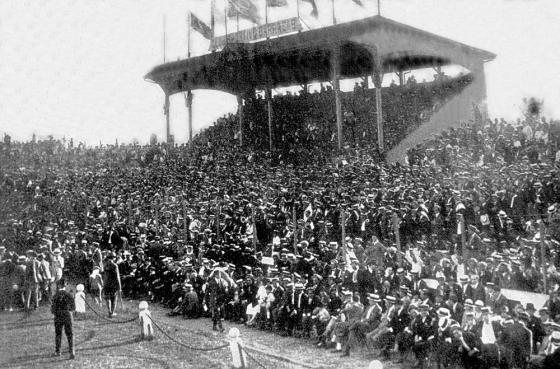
75, 68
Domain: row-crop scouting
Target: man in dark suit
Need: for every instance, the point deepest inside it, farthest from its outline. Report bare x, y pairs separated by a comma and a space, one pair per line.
469, 348
216, 293
497, 301
397, 325
535, 326
455, 308
62, 308
424, 335
475, 290
368, 322
516, 339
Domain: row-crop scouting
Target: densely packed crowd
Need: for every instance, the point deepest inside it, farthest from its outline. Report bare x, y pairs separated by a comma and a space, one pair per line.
304, 120
311, 250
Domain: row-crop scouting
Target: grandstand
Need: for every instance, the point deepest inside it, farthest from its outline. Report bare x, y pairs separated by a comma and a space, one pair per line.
395, 118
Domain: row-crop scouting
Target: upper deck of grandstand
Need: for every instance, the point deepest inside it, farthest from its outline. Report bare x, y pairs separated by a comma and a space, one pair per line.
307, 57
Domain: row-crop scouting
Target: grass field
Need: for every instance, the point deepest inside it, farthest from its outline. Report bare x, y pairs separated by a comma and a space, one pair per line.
27, 341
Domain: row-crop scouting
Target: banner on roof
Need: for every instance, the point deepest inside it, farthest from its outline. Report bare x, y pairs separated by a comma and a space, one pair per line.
256, 33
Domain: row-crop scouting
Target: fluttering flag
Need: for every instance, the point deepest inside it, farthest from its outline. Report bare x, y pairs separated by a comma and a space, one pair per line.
244, 9
276, 3
359, 2
201, 27
315, 11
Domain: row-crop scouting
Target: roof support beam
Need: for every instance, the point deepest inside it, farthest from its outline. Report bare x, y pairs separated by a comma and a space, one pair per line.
188, 103
240, 116
269, 111
167, 123
335, 65
378, 82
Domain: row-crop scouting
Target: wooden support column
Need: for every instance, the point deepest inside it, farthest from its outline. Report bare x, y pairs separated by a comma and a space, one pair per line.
188, 101
269, 111
400, 74
166, 112
240, 116
335, 64
378, 82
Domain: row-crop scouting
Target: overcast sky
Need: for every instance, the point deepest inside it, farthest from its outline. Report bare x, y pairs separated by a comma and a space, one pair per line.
75, 68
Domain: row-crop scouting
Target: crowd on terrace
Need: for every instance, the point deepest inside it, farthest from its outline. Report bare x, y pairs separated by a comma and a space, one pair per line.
306, 247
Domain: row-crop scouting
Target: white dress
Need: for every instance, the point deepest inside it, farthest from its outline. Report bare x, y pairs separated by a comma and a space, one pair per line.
80, 302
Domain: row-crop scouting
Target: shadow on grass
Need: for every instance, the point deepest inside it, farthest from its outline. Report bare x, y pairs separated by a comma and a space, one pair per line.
22, 325
29, 359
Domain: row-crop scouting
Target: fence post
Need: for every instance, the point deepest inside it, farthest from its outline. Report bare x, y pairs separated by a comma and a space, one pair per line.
254, 228
238, 356
294, 220
343, 233
542, 231
463, 235
218, 211
397, 237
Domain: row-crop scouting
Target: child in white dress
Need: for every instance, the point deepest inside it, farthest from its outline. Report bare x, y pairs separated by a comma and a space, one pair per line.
80, 301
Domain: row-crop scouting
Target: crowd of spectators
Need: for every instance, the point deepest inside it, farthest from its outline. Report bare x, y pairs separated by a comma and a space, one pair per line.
345, 249
304, 123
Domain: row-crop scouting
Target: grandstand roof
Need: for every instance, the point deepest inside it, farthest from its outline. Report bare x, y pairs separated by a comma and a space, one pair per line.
305, 57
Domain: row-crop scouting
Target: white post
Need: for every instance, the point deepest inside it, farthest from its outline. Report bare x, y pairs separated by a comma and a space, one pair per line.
238, 357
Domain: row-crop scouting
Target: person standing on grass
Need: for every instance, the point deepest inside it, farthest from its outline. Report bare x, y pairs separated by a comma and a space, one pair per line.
32, 280
111, 284
62, 308
96, 284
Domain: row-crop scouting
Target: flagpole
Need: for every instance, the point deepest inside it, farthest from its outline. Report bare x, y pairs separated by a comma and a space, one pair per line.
333, 16
164, 26
297, 7
189, 35
266, 16
212, 6
225, 19
379, 7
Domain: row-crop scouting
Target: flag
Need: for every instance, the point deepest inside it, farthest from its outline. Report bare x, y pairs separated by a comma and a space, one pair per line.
201, 27
315, 11
276, 3
359, 2
244, 9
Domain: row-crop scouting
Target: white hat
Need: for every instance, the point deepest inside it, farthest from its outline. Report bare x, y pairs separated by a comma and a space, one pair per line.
479, 303
80, 287
143, 305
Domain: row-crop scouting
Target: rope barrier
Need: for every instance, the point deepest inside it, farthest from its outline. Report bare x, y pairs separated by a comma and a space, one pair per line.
159, 328
107, 319
184, 345
253, 358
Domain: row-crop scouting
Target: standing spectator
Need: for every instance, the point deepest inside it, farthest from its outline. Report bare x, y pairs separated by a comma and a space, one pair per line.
57, 268
111, 284
62, 308
45, 278
32, 279
96, 285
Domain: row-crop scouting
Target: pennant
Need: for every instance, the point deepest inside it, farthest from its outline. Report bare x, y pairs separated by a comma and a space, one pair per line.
276, 3
358, 2
244, 9
315, 11
201, 27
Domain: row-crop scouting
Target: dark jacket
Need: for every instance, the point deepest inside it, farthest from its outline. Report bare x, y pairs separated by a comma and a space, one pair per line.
62, 306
